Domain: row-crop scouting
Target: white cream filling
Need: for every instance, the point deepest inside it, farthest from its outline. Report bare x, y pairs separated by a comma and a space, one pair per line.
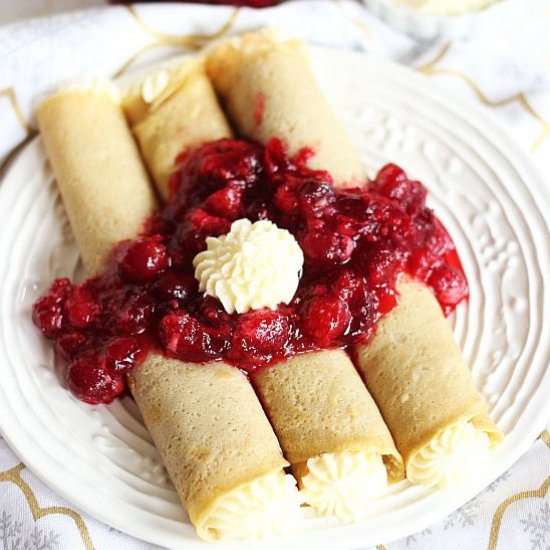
344, 484
451, 457
257, 510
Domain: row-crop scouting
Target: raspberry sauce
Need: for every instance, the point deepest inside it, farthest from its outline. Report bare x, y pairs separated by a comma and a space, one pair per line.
356, 242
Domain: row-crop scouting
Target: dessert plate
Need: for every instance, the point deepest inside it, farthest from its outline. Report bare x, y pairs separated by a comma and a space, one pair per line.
482, 187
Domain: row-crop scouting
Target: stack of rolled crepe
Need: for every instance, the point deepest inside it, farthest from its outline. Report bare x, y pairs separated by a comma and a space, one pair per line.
412, 366
205, 420
327, 423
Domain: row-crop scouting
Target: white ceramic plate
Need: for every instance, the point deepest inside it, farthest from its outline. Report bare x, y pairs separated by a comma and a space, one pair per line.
488, 196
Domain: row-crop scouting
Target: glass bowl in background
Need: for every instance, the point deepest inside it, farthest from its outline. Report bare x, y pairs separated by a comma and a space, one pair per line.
426, 26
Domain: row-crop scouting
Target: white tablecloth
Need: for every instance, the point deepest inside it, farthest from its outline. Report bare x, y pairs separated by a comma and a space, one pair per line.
505, 67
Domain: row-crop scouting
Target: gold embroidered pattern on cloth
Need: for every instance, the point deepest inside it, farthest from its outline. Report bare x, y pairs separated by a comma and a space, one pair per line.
191, 42
13, 475
10, 94
497, 518
431, 69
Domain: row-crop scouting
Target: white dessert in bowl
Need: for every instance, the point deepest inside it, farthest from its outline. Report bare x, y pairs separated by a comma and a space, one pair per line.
432, 19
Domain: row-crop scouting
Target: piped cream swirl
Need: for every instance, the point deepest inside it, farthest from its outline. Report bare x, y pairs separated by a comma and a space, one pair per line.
257, 510
344, 484
450, 457
255, 265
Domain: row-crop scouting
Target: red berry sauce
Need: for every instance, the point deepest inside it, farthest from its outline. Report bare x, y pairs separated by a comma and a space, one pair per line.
355, 242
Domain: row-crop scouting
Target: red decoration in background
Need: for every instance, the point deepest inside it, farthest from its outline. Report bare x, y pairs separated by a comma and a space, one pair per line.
249, 3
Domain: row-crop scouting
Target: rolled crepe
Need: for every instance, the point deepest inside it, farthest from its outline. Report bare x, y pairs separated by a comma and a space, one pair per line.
170, 111
331, 431
217, 444
269, 92
422, 384
99, 172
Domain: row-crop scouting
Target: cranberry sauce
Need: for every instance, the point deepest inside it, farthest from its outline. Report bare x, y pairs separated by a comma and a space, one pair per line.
355, 242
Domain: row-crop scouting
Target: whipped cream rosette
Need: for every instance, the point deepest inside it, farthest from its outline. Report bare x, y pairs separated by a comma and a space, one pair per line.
226, 466
255, 265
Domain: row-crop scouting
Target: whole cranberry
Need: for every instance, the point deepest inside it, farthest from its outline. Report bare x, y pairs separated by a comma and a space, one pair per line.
69, 344
226, 203
378, 263
91, 382
133, 315
47, 311
389, 180
325, 319
175, 286
81, 307
206, 224
314, 197
260, 332
326, 247
449, 284
143, 260
186, 338
121, 354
